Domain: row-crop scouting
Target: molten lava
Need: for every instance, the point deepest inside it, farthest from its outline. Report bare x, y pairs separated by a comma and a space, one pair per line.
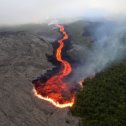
55, 89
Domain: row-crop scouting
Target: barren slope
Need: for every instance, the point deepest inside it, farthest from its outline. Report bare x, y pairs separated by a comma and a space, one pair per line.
22, 58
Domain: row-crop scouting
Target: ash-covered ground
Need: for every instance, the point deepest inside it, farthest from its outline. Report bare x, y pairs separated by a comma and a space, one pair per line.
22, 58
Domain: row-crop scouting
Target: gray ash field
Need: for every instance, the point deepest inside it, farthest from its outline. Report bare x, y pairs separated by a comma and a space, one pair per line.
22, 58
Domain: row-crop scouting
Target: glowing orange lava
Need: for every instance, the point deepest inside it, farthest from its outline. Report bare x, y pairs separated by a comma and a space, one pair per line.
55, 90
70, 104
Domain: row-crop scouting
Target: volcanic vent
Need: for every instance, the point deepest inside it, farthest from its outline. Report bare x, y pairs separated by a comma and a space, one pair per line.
57, 89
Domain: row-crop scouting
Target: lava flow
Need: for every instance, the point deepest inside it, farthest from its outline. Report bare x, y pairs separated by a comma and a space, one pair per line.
55, 90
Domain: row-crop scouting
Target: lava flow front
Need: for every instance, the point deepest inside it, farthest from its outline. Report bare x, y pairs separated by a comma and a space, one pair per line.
55, 89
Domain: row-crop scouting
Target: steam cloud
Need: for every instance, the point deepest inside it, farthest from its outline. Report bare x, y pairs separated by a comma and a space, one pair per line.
109, 47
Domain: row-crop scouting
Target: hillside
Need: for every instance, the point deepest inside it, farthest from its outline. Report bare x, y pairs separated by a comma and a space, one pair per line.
22, 59
102, 102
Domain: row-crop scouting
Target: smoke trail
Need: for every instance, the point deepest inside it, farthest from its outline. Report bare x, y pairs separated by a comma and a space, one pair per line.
109, 46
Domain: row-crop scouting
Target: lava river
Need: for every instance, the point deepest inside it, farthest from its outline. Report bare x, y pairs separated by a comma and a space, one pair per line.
55, 90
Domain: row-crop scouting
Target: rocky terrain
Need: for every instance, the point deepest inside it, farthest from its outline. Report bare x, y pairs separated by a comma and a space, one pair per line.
22, 58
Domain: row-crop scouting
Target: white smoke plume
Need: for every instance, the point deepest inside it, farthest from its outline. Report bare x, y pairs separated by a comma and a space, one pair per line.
109, 46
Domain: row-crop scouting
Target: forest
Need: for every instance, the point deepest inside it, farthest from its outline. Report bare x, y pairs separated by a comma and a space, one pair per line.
102, 101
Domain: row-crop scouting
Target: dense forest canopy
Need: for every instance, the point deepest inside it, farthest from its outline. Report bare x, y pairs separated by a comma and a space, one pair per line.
102, 101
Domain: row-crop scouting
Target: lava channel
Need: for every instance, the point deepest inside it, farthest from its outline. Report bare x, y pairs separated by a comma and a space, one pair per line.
55, 90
